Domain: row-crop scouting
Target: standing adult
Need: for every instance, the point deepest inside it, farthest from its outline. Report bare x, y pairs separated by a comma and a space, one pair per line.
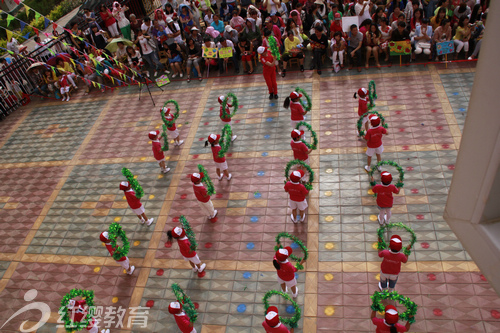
109, 21
123, 22
269, 70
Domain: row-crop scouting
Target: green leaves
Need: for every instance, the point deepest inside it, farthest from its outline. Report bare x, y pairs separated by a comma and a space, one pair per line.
206, 180
298, 242
165, 137
382, 245
66, 316
359, 124
411, 307
372, 94
293, 321
184, 299
115, 230
176, 113
273, 46
225, 140
234, 103
189, 232
308, 106
139, 192
308, 185
314, 145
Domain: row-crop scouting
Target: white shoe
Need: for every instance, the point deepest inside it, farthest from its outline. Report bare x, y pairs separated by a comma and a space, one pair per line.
234, 137
67, 100
76, 87
180, 142
165, 170
215, 214
150, 221
367, 168
156, 74
202, 267
174, 75
301, 218
132, 269
181, 75
167, 71
64, 99
379, 169
195, 269
143, 221
148, 74
230, 176
293, 218
105, 331
220, 177
380, 222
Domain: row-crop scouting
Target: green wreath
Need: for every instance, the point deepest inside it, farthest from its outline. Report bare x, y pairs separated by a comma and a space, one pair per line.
382, 244
176, 113
115, 231
401, 179
308, 185
225, 140
308, 105
360, 122
189, 232
206, 180
299, 243
411, 307
139, 192
372, 94
165, 138
234, 103
184, 299
273, 46
293, 321
314, 145
69, 324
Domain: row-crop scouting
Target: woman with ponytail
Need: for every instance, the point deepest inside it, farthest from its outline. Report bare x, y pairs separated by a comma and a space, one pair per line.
390, 322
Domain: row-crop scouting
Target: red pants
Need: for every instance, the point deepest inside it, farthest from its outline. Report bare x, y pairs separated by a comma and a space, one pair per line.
270, 77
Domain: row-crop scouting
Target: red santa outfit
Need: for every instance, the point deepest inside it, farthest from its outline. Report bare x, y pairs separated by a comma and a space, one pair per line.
202, 196
391, 319
157, 152
172, 130
297, 192
269, 71
123, 261
297, 111
272, 323
391, 264
134, 203
385, 200
300, 150
285, 269
78, 312
181, 318
185, 248
362, 103
227, 119
373, 137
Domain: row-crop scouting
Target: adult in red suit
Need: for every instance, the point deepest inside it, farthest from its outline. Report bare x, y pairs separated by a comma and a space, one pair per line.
269, 71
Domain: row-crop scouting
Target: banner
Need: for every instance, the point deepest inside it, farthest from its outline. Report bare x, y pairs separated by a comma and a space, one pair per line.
209, 52
400, 48
226, 52
445, 48
162, 81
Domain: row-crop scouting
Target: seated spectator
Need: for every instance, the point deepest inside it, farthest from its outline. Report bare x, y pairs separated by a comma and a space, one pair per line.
394, 15
319, 43
379, 14
355, 42
98, 37
372, 45
336, 25
338, 46
462, 36
293, 49
462, 10
223, 43
401, 34
160, 16
237, 22
275, 31
416, 20
225, 12
252, 33
41, 87
208, 18
89, 74
208, 43
66, 69
247, 53
194, 58
422, 39
77, 37
173, 32
217, 24
232, 34
196, 36
385, 36
401, 18
121, 53
477, 36
444, 4
50, 79
438, 18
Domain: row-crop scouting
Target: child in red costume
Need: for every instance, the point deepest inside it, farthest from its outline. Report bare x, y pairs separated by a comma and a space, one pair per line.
64, 88
363, 105
220, 162
391, 264
390, 323
298, 193
385, 200
181, 318
297, 110
123, 261
78, 312
300, 150
269, 71
135, 204
226, 120
272, 323
173, 132
373, 139
157, 152
184, 246
202, 196
286, 271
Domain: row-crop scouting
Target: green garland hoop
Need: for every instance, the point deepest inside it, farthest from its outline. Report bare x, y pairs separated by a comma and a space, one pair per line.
298, 242
411, 307
184, 299
372, 94
314, 145
273, 46
176, 113
293, 321
308, 185
206, 180
360, 122
69, 324
382, 244
115, 230
139, 192
225, 140
165, 138
308, 105
189, 232
401, 179
234, 103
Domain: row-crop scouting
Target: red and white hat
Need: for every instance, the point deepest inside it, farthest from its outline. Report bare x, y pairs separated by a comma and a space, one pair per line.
104, 237
295, 94
396, 243
178, 232
196, 176
169, 117
391, 314
165, 110
296, 175
297, 134
174, 307
272, 318
221, 99
153, 134
386, 177
213, 137
362, 92
374, 120
284, 253
124, 186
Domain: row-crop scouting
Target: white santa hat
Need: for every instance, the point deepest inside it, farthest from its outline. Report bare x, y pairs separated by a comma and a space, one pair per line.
261, 49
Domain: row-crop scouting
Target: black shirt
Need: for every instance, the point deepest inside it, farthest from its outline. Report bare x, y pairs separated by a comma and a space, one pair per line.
398, 37
323, 41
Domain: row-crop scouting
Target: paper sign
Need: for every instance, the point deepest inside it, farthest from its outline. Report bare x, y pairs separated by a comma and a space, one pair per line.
348, 21
209, 52
445, 48
400, 48
226, 52
162, 81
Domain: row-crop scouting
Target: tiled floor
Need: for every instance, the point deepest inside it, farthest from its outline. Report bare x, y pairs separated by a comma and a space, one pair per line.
60, 168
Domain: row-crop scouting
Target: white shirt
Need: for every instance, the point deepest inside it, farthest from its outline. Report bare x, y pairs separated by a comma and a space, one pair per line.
146, 48
169, 32
366, 13
228, 43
